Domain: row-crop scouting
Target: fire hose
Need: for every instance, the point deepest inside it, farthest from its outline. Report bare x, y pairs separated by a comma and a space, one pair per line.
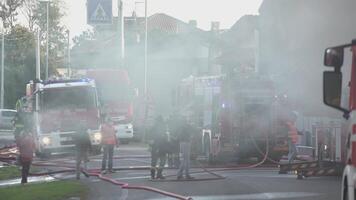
123, 185
95, 173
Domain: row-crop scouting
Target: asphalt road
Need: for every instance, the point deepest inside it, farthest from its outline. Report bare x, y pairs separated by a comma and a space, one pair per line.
252, 184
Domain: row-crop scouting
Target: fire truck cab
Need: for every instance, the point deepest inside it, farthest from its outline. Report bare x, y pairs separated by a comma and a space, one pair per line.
57, 108
344, 100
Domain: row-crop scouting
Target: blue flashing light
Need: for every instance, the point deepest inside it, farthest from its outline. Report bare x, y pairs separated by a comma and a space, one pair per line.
87, 80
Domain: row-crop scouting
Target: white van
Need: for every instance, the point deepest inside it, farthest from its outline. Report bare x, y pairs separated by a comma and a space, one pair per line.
6, 117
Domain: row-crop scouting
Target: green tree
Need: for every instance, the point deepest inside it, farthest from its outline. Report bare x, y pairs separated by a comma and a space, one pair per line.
20, 43
9, 12
57, 31
20, 60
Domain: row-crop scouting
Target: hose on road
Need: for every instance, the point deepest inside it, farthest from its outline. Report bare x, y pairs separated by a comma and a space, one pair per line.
123, 185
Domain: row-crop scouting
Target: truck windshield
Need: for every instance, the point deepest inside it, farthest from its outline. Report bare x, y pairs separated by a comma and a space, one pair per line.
75, 97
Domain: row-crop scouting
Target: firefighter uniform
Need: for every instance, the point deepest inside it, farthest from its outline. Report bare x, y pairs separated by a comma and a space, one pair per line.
19, 119
159, 148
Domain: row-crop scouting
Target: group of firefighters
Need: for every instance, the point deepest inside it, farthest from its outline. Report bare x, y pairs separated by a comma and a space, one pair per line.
174, 147
162, 145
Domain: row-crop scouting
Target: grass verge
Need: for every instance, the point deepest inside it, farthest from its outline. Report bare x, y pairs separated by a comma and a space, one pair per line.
57, 190
9, 172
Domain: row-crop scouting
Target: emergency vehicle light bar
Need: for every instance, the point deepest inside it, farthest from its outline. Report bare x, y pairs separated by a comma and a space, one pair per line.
67, 81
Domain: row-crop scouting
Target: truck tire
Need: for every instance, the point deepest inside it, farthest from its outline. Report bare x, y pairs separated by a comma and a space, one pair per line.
207, 149
43, 155
124, 141
96, 150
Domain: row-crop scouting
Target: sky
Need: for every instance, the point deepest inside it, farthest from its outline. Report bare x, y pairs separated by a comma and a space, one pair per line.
227, 12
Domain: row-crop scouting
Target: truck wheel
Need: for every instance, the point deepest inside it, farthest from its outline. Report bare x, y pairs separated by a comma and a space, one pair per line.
124, 141
207, 148
43, 155
96, 150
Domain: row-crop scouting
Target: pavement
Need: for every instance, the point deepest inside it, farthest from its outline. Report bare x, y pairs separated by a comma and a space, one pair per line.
251, 184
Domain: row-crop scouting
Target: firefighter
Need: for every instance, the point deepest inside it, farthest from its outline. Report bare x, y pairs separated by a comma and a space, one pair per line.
159, 147
185, 146
109, 141
173, 154
26, 146
19, 119
83, 146
292, 141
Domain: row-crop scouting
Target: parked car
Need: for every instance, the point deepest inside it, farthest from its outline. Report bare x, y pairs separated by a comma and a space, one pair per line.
6, 117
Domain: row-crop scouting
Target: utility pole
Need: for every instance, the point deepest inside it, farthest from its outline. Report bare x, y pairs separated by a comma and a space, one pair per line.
146, 44
2, 90
38, 56
38, 77
2, 67
145, 76
68, 51
121, 27
47, 37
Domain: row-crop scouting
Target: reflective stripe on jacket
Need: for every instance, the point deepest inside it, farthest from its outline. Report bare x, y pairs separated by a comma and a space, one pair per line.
108, 135
293, 132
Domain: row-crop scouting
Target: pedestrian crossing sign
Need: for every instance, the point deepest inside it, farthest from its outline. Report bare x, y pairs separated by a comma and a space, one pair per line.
99, 12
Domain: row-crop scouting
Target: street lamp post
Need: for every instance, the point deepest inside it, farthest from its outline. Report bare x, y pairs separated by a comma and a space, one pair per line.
145, 75
2, 68
121, 27
146, 43
68, 51
2, 90
47, 35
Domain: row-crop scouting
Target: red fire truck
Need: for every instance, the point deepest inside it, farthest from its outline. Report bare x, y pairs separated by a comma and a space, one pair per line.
237, 115
345, 101
116, 98
58, 106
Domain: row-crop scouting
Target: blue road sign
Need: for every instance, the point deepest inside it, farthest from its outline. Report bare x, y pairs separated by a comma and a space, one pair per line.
99, 12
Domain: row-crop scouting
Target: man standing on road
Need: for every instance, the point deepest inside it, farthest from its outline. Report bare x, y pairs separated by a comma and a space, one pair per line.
185, 145
109, 141
83, 145
159, 147
173, 154
292, 140
26, 146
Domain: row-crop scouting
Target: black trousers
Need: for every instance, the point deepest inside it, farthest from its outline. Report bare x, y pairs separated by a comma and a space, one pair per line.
156, 155
25, 171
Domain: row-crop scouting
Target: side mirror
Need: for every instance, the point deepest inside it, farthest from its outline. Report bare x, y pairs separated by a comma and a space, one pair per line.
333, 89
334, 57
